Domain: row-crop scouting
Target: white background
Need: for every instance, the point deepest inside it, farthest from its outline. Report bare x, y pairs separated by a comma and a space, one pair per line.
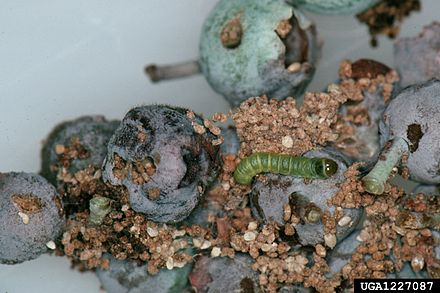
63, 59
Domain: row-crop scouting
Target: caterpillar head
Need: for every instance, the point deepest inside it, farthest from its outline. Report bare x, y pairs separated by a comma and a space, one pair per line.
326, 167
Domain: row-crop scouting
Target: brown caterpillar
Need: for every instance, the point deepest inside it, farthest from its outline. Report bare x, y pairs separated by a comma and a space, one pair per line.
314, 168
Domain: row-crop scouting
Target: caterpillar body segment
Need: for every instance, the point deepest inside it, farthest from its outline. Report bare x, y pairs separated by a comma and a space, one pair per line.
313, 168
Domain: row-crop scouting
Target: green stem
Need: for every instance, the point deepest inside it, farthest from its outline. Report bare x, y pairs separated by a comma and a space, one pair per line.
158, 73
99, 207
374, 181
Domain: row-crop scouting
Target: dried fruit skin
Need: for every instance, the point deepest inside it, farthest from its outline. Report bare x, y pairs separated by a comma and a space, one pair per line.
261, 62
31, 216
413, 115
163, 161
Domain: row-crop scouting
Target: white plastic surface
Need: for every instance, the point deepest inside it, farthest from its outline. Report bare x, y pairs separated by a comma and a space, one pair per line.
63, 59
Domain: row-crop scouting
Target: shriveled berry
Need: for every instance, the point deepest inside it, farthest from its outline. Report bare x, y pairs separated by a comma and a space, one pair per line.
427, 189
125, 276
204, 214
417, 58
306, 201
31, 215
295, 288
409, 127
364, 116
342, 253
223, 274
414, 116
75, 145
165, 158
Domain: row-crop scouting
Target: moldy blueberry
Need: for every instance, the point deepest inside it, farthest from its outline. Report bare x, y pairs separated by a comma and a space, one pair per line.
306, 201
161, 159
31, 216
224, 274
365, 114
417, 58
84, 139
125, 276
410, 125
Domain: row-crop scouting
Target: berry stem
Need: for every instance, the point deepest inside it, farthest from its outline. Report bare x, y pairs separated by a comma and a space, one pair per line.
374, 182
99, 207
158, 73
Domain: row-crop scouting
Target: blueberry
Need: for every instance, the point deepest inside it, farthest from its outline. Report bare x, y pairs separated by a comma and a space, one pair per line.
406, 272
204, 212
76, 145
250, 48
410, 125
261, 61
295, 288
341, 254
31, 216
415, 58
125, 276
210, 206
307, 200
427, 189
223, 274
364, 145
163, 162
335, 6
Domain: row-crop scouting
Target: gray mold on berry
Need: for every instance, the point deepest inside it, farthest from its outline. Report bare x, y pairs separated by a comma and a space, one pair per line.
223, 274
93, 134
269, 197
124, 276
242, 55
31, 216
413, 115
417, 58
165, 165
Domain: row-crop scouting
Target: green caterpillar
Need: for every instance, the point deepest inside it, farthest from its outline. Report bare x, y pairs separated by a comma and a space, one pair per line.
314, 168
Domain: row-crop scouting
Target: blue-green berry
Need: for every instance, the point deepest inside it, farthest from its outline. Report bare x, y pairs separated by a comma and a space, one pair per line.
335, 6
252, 48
